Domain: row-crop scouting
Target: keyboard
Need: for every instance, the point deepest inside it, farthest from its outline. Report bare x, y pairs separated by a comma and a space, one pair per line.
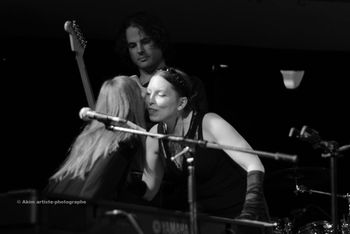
26, 212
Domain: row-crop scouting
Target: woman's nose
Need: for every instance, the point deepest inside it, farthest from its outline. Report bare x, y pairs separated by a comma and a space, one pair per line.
150, 99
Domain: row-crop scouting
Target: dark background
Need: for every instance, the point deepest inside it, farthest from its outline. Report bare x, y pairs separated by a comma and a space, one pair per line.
42, 91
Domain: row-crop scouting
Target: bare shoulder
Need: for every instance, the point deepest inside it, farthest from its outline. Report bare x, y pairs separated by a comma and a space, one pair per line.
211, 123
215, 127
211, 119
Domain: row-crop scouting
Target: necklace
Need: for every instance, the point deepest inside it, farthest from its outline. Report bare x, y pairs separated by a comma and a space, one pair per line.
176, 147
173, 146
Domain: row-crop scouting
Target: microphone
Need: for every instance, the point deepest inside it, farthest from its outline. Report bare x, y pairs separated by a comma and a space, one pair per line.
312, 136
87, 114
293, 132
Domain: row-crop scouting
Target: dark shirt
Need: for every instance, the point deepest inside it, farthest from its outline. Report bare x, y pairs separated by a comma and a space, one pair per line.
220, 182
107, 180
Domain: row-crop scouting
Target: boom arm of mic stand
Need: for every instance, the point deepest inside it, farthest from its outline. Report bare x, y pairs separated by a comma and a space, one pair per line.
202, 143
276, 156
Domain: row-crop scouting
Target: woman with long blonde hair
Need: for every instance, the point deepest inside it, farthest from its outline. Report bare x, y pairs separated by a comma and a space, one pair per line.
99, 161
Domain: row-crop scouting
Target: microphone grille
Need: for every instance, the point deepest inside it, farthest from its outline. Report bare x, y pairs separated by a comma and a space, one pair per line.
83, 114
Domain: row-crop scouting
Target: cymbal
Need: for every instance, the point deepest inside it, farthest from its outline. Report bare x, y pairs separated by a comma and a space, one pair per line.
308, 176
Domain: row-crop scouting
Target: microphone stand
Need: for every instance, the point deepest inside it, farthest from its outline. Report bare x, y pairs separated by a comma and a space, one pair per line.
206, 144
192, 194
191, 184
191, 143
303, 189
330, 150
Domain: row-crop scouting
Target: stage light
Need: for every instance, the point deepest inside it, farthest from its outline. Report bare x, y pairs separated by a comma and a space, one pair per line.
292, 78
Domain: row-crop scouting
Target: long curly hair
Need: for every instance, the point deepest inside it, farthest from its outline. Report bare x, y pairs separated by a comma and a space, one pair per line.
152, 26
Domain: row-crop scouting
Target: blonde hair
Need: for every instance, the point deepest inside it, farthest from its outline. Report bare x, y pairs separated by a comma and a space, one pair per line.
120, 97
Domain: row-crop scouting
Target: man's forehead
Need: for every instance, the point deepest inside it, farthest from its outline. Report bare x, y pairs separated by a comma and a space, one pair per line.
134, 32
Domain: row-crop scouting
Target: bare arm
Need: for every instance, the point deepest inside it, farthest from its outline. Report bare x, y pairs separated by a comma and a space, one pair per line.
218, 130
154, 171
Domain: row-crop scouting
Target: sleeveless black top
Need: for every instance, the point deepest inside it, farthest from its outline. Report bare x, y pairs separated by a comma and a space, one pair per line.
220, 181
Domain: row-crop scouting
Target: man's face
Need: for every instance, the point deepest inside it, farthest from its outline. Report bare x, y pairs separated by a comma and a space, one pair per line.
144, 53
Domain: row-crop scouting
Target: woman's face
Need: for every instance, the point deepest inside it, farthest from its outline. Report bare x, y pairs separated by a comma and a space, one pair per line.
162, 100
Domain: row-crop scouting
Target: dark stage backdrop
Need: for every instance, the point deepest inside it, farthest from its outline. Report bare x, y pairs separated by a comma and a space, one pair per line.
43, 93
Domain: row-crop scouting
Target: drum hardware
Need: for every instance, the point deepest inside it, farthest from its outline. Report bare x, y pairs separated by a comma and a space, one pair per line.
301, 178
293, 179
304, 189
317, 227
324, 226
345, 225
283, 226
288, 226
345, 222
331, 150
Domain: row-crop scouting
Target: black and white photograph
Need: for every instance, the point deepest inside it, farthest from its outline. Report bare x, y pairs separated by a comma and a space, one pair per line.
175, 117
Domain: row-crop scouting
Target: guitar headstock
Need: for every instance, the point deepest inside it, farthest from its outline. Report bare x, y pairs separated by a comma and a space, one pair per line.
77, 39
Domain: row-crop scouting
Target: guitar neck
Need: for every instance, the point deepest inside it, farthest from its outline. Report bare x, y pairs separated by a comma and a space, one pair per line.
86, 83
